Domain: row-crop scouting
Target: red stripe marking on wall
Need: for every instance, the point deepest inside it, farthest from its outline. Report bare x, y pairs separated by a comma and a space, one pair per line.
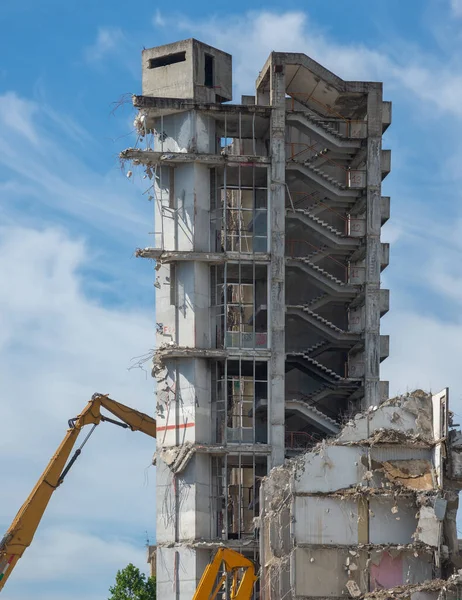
168, 427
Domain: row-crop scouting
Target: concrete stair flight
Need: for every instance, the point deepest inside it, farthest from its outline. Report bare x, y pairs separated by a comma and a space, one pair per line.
311, 124
332, 235
317, 348
317, 254
315, 175
324, 280
309, 411
315, 367
318, 221
318, 301
320, 173
323, 326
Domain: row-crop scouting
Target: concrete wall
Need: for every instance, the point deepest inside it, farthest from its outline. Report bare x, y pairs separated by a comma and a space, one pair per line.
186, 78
364, 509
333, 497
223, 82
184, 501
313, 569
171, 81
178, 570
184, 403
189, 131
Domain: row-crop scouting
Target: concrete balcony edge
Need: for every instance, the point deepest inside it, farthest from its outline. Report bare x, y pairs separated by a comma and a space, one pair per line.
169, 256
151, 157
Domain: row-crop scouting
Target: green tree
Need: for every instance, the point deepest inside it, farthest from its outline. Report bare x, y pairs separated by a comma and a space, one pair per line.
131, 584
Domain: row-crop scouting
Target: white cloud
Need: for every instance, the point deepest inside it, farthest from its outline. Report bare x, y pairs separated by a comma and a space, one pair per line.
57, 347
456, 7
108, 41
67, 232
425, 354
16, 116
158, 19
425, 339
57, 552
72, 560
44, 162
402, 66
112, 50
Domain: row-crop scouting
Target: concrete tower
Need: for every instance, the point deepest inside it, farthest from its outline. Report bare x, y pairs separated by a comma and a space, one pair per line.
268, 260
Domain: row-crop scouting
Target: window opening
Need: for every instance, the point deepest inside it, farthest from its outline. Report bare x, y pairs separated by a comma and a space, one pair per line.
236, 483
245, 220
171, 188
168, 59
240, 401
208, 70
173, 295
241, 311
239, 211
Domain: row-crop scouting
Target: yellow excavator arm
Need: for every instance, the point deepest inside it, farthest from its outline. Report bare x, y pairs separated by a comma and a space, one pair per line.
234, 563
22, 530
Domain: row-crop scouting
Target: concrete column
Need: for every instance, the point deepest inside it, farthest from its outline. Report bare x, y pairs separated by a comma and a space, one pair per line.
178, 570
277, 193
183, 390
373, 225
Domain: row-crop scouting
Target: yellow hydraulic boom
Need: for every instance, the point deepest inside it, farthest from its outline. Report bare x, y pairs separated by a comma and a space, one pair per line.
22, 530
241, 569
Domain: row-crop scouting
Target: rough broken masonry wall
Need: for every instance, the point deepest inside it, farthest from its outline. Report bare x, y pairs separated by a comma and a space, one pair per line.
369, 512
268, 257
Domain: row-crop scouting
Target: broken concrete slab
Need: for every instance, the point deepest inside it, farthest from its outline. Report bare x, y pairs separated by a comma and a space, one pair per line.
414, 474
175, 457
374, 486
408, 416
429, 527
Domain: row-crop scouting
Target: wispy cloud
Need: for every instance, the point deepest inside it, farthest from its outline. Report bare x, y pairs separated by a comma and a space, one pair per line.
17, 115
158, 19
456, 7
425, 87
57, 347
437, 81
57, 553
58, 344
113, 49
37, 151
108, 41
60, 551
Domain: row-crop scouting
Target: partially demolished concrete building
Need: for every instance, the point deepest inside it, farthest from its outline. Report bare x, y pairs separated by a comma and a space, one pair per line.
268, 256
371, 510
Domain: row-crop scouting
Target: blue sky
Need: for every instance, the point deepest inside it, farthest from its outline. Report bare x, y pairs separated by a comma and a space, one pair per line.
76, 306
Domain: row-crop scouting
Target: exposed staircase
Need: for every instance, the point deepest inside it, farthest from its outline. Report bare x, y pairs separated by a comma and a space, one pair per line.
317, 348
318, 301
322, 325
316, 368
330, 174
325, 281
313, 415
335, 237
311, 124
317, 176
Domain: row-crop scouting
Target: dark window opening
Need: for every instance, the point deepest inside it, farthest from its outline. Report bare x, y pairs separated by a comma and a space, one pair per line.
208, 70
171, 188
169, 59
173, 284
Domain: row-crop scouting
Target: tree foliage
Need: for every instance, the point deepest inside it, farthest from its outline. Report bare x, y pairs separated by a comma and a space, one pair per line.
131, 584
